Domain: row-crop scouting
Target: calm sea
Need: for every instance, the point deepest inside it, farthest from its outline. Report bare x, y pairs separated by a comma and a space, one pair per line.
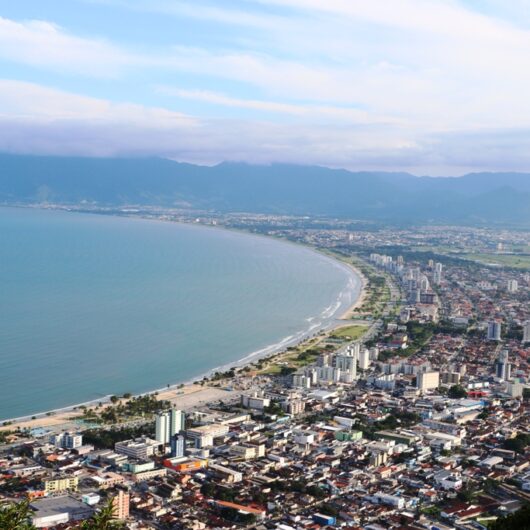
96, 305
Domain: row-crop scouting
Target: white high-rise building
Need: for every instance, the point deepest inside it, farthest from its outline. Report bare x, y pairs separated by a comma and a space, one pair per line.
168, 424
512, 286
68, 440
526, 331
177, 422
162, 428
347, 363
364, 359
428, 380
494, 330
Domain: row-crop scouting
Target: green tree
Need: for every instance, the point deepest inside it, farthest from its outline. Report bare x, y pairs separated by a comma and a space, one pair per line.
520, 520
517, 444
103, 520
457, 392
16, 516
467, 494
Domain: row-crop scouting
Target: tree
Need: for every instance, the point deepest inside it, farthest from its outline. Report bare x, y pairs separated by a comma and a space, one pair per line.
457, 392
520, 519
517, 444
16, 516
103, 520
467, 494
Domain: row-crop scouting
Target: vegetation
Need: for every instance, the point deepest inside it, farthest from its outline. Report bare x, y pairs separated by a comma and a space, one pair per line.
349, 332
457, 392
519, 520
518, 444
103, 520
395, 419
4, 435
106, 438
516, 261
135, 407
15, 516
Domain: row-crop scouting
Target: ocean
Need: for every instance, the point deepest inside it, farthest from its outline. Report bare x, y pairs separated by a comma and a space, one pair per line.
92, 305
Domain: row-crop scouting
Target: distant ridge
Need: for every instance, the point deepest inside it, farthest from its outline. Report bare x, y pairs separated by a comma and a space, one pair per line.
477, 198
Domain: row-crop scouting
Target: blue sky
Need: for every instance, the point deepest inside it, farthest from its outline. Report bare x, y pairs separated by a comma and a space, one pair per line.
428, 86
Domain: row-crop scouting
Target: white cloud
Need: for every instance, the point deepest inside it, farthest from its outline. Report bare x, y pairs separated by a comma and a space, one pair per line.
337, 82
335, 113
28, 101
42, 44
36, 119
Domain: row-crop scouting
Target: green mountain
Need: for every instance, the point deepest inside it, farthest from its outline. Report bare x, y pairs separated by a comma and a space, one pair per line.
480, 198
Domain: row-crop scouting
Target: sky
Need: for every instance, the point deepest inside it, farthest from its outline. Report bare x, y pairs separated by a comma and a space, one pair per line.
434, 87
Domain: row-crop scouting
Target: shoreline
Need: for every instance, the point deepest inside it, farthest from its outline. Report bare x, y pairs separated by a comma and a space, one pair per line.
339, 317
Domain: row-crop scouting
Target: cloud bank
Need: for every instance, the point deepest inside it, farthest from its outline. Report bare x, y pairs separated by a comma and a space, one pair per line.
428, 86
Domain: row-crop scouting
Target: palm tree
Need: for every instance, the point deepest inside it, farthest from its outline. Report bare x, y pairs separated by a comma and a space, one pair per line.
16, 516
103, 520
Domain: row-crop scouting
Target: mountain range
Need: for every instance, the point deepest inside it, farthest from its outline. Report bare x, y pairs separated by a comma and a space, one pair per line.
477, 198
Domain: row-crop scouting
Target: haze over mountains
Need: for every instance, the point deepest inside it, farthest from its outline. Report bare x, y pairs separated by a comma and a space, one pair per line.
493, 198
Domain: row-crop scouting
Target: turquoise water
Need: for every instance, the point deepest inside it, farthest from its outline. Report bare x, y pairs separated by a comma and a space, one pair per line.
97, 305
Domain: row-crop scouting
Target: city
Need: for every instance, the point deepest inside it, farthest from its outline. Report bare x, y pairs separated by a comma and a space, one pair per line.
411, 413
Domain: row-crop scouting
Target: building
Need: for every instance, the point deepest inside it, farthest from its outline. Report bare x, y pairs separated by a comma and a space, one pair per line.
67, 440
162, 427
120, 505
502, 366
247, 451
255, 401
178, 446
364, 359
293, 406
139, 448
494, 330
91, 498
512, 286
168, 424
428, 380
346, 362
225, 473
203, 435
60, 484
526, 331
107, 480
451, 378
54, 511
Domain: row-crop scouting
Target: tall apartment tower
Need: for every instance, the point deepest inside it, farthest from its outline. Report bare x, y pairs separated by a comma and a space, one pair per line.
364, 359
178, 446
168, 424
503, 369
494, 330
512, 286
526, 332
120, 505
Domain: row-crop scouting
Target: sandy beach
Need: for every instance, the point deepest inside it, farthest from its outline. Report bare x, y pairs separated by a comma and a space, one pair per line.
189, 397
350, 312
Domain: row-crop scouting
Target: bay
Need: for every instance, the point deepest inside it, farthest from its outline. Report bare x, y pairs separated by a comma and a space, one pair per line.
95, 305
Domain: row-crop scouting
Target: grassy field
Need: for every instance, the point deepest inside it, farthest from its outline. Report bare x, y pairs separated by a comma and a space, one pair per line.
349, 332
516, 261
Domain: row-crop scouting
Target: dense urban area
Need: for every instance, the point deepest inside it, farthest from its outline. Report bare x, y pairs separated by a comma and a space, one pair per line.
411, 413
